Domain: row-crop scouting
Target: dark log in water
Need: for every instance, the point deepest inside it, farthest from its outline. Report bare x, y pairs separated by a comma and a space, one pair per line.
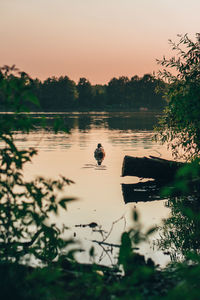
150, 167
142, 191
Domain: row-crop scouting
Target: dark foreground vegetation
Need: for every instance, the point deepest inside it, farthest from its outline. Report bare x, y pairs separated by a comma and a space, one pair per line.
63, 94
27, 236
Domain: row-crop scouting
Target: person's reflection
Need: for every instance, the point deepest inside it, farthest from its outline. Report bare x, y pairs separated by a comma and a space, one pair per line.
99, 154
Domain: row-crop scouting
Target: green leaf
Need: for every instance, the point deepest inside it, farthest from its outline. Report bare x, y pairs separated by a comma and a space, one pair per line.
135, 215
91, 252
64, 201
151, 230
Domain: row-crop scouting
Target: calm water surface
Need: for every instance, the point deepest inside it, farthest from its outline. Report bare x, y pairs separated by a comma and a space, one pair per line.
98, 188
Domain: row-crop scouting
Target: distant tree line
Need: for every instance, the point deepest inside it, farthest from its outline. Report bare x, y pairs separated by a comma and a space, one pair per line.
63, 94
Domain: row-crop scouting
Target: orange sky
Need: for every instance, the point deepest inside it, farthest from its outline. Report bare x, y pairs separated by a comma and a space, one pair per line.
96, 39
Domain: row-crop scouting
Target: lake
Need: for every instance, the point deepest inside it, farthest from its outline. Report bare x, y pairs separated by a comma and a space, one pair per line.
98, 188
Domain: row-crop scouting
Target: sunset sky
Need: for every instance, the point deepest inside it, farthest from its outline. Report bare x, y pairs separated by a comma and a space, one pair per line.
96, 39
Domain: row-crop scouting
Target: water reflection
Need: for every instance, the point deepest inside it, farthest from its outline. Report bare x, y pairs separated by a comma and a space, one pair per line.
180, 235
128, 129
142, 191
94, 166
85, 122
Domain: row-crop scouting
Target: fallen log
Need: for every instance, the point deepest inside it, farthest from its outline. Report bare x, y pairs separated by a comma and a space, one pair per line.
150, 167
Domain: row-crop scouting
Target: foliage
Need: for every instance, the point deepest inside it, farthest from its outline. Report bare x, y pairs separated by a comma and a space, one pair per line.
25, 207
62, 94
180, 233
180, 124
85, 93
55, 93
179, 236
21, 282
180, 127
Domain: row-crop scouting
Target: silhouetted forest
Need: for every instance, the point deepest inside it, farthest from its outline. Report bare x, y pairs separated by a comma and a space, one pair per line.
63, 94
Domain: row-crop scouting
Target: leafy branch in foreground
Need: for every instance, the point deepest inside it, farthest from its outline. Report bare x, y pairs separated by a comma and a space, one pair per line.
25, 207
180, 124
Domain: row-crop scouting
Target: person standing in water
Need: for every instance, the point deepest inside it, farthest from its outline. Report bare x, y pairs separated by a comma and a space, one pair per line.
99, 154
